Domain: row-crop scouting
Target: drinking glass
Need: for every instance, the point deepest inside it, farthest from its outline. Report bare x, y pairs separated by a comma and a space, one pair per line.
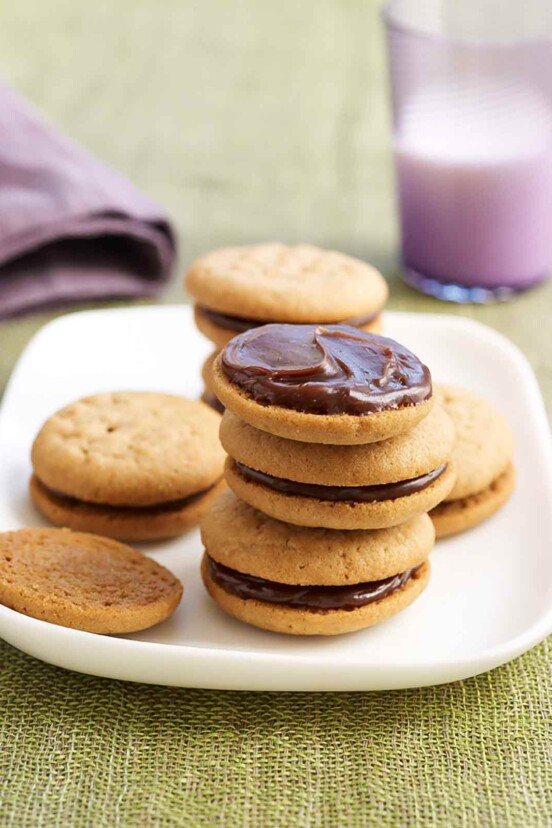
471, 85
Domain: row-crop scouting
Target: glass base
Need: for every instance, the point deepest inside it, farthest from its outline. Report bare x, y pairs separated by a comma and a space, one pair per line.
463, 294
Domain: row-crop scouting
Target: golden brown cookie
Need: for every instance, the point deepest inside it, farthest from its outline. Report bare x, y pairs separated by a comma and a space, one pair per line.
238, 536
333, 384
280, 283
482, 458
292, 621
141, 523
310, 581
311, 505
341, 487
84, 581
454, 516
484, 442
411, 454
127, 451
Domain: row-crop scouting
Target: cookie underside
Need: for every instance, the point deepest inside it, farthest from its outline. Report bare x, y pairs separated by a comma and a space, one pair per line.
282, 619
117, 522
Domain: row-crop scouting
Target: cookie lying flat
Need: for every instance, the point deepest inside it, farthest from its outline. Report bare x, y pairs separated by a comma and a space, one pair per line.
239, 288
333, 384
84, 581
132, 465
482, 457
303, 581
341, 487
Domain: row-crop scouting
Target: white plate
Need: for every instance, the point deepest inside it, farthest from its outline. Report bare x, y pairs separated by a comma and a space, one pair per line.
490, 595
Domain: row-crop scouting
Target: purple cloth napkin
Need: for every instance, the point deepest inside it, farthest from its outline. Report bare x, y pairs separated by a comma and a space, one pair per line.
71, 229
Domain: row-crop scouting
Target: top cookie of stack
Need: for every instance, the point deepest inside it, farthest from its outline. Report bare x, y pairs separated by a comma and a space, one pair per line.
331, 426
239, 288
329, 384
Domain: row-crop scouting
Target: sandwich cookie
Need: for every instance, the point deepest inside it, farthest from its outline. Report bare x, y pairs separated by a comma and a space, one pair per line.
208, 395
301, 581
239, 288
129, 465
482, 458
84, 581
315, 384
341, 487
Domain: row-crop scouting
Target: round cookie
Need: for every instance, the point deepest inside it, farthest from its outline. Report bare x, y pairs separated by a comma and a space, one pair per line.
315, 559
280, 283
84, 581
454, 516
482, 457
155, 456
422, 449
282, 619
332, 384
484, 442
166, 520
416, 455
240, 537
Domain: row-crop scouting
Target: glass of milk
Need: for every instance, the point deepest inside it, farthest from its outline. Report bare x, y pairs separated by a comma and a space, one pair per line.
472, 140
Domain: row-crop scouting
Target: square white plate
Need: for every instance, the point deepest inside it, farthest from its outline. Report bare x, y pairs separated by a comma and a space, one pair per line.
490, 595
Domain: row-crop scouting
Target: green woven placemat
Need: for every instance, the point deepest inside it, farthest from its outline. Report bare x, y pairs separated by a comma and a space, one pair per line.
81, 751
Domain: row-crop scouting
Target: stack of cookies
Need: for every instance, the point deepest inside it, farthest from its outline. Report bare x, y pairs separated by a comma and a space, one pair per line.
237, 289
336, 454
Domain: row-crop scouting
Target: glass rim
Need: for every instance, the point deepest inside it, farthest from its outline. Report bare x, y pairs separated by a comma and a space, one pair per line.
392, 21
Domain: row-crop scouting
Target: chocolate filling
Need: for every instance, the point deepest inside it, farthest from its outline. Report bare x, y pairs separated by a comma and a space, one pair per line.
154, 509
325, 370
343, 597
239, 324
360, 494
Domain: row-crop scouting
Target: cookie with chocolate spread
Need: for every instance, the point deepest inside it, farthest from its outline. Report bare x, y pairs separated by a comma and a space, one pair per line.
131, 465
341, 487
239, 288
310, 581
483, 461
333, 384
85, 582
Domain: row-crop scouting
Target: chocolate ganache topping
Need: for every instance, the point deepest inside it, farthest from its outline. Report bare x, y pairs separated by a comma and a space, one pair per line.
333, 369
359, 494
344, 597
241, 323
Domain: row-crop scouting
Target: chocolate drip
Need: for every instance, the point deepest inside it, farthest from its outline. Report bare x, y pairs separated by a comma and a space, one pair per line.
239, 324
343, 597
325, 370
359, 494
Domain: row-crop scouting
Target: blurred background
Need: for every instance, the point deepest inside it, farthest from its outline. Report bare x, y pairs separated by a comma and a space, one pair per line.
250, 120
246, 120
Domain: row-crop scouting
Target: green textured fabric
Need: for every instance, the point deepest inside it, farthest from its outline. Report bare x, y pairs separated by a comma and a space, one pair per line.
80, 751
255, 119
